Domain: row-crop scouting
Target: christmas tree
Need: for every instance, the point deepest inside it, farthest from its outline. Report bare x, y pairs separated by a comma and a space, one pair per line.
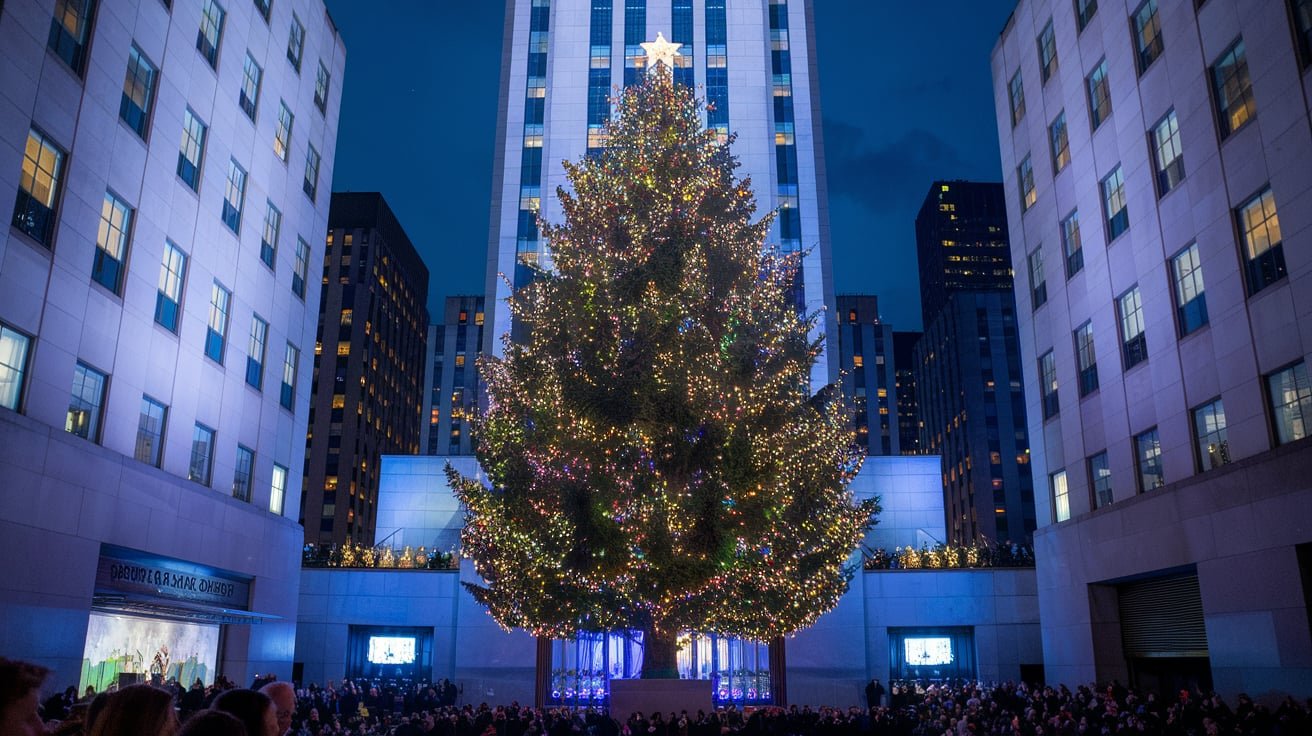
653, 457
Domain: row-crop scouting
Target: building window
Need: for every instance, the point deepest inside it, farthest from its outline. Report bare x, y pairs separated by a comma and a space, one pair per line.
1047, 52
1059, 142
150, 432
193, 148
1016, 92
282, 137
249, 97
1071, 244
321, 88
217, 331
1168, 158
1291, 402
1025, 178
1264, 253
1190, 299
1100, 99
1303, 25
14, 347
168, 300
35, 211
302, 267
1048, 385
1233, 89
1134, 343
86, 403
311, 183
1148, 460
255, 352
296, 43
1084, 10
1061, 500
1038, 286
1113, 203
234, 196
202, 454
1147, 34
70, 29
138, 92
269, 240
278, 490
111, 243
1100, 479
265, 7
241, 475
1086, 359
287, 397
211, 30
1209, 433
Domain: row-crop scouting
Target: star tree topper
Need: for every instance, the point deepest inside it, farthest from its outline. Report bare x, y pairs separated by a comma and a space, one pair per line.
660, 51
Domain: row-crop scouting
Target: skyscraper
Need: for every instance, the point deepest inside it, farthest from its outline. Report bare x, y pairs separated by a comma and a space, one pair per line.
163, 171
755, 62
908, 397
966, 365
865, 354
367, 396
1156, 165
961, 243
452, 378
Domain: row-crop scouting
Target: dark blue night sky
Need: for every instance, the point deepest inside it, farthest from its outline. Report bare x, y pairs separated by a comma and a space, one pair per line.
905, 91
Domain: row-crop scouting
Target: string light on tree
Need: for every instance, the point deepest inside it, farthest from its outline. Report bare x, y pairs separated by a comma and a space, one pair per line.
654, 460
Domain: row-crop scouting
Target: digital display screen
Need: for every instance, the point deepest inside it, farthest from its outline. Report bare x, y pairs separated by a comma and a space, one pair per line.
145, 647
928, 651
392, 649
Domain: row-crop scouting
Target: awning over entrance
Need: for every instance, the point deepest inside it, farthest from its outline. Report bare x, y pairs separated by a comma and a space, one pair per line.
177, 610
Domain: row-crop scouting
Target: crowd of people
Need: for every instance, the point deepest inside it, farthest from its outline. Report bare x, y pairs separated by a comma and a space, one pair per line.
274, 708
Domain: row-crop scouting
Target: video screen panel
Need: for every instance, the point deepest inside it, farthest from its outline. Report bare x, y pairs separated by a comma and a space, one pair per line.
391, 649
928, 651
143, 647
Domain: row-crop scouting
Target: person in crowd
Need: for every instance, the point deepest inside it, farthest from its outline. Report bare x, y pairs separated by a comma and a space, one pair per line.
135, 710
20, 690
283, 696
212, 723
253, 708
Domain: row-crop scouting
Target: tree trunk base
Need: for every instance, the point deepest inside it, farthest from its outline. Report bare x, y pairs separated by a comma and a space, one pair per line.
660, 656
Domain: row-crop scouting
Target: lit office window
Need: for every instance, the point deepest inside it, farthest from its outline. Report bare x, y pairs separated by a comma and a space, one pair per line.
1059, 141
1134, 343
1264, 252
1061, 500
1233, 89
282, 136
70, 29
1100, 99
111, 243
211, 31
1148, 460
138, 92
278, 490
1168, 157
1190, 297
1290, 394
1025, 178
1209, 433
1147, 34
86, 403
14, 347
36, 211
150, 432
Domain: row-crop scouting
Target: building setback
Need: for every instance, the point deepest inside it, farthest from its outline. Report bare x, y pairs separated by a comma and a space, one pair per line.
367, 396
164, 172
452, 377
967, 364
1156, 159
755, 65
865, 354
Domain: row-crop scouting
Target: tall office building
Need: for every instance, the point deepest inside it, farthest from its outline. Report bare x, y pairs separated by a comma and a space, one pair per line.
967, 364
961, 243
369, 353
755, 63
452, 378
865, 355
1156, 157
164, 169
908, 398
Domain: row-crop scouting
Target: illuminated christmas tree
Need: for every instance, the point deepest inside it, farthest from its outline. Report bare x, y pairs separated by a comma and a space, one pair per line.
654, 460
